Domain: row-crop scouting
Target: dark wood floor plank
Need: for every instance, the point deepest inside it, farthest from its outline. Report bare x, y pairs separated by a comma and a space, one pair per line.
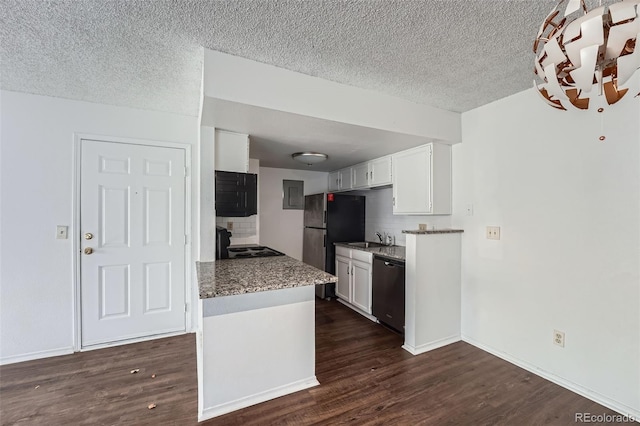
366, 379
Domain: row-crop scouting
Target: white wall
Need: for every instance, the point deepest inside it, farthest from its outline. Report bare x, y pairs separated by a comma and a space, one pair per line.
37, 137
380, 217
569, 256
282, 229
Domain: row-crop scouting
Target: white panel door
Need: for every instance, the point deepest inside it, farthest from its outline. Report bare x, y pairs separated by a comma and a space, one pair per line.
132, 221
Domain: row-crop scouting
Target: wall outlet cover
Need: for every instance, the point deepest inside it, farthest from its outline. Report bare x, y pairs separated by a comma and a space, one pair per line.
558, 338
493, 232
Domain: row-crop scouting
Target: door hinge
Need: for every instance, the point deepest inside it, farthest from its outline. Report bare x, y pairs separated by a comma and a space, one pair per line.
186, 239
186, 171
394, 201
430, 149
430, 205
186, 307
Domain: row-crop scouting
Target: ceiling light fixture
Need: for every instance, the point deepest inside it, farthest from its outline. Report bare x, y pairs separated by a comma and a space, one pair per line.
309, 158
581, 55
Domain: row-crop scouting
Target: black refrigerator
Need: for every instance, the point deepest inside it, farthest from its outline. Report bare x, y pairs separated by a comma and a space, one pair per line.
330, 218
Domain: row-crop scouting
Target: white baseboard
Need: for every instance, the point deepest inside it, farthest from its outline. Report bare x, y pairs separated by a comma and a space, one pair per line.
358, 310
35, 355
619, 407
426, 347
93, 347
267, 395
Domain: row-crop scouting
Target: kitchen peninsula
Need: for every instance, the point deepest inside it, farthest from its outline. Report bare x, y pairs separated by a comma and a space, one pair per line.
256, 338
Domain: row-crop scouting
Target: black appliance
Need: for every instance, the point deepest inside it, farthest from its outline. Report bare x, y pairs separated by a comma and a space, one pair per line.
388, 292
330, 218
252, 251
236, 194
223, 239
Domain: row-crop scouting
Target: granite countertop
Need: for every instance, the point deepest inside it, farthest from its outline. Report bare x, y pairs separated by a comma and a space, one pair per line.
230, 277
433, 231
392, 252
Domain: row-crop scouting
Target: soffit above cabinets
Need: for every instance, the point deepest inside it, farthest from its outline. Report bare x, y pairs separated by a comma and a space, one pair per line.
275, 135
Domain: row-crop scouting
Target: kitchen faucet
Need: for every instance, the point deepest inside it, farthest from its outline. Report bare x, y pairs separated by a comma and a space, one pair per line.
379, 235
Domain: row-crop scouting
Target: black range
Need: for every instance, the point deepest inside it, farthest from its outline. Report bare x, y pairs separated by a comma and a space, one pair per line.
252, 251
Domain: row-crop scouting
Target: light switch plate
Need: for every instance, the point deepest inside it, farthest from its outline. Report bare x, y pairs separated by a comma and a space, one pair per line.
62, 232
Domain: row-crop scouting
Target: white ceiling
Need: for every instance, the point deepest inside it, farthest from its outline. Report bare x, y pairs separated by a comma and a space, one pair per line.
451, 54
275, 135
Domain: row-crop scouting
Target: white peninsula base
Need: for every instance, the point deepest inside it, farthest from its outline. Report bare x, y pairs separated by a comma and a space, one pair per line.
254, 347
432, 290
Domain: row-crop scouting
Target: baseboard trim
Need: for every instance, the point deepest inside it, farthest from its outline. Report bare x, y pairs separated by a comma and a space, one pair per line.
358, 310
95, 346
426, 347
227, 407
35, 355
560, 381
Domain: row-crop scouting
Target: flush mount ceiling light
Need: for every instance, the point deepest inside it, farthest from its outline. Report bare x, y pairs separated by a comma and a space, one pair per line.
581, 55
310, 158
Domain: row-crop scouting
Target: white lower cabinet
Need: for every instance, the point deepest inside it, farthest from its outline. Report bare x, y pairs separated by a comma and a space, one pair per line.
354, 270
361, 280
343, 272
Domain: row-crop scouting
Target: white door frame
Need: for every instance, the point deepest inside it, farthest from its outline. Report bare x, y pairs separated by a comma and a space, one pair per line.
75, 233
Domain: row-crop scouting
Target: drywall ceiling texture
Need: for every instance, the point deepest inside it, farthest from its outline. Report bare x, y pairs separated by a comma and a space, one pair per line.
454, 54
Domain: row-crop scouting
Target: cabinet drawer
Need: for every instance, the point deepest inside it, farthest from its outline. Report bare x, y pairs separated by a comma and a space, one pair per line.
343, 251
362, 256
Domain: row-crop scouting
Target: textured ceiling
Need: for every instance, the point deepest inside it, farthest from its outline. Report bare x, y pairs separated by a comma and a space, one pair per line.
451, 54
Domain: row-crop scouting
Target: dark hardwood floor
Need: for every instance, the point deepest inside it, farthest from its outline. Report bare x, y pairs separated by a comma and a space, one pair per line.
366, 378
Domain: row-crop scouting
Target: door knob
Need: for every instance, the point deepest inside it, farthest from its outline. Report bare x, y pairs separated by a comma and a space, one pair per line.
88, 236
88, 250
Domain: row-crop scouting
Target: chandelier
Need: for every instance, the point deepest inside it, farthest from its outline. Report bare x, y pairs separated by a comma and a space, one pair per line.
583, 54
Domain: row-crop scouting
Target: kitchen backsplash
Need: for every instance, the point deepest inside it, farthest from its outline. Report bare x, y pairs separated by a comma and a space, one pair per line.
243, 227
380, 217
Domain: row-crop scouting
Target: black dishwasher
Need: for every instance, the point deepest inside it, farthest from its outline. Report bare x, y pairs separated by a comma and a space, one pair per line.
388, 292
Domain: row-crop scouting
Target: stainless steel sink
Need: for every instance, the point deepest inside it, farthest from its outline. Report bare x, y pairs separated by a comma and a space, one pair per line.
366, 244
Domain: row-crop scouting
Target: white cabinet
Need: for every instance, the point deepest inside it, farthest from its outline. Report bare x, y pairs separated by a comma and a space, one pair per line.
340, 180
361, 281
231, 151
360, 173
354, 270
422, 180
372, 173
343, 272
380, 171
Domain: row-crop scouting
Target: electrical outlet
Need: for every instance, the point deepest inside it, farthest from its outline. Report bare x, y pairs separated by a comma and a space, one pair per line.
558, 338
229, 226
62, 232
493, 232
422, 226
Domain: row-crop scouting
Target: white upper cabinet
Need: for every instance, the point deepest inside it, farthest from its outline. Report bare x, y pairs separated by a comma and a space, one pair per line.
340, 180
380, 171
360, 174
422, 180
231, 151
367, 175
